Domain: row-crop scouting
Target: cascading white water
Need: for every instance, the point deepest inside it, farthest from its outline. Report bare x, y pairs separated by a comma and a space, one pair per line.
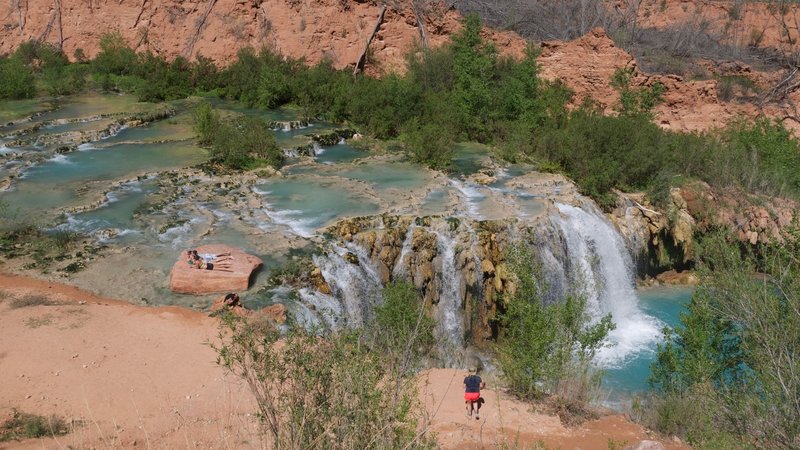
600, 264
450, 325
326, 307
357, 286
399, 266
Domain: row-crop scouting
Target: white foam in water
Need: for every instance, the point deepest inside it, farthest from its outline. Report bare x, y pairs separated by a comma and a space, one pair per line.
326, 307
60, 158
450, 322
288, 217
6, 150
260, 191
178, 235
318, 149
86, 147
471, 196
399, 268
356, 286
602, 264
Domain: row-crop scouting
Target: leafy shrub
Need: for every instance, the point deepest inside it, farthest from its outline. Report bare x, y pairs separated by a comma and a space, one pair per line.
316, 392
206, 123
542, 348
16, 79
401, 329
738, 345
115, 57
25, 426
429, 144
245, 143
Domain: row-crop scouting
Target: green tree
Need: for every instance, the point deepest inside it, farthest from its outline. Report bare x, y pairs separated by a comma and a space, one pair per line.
401, 329
741, 337
206, 123
16, 79
245, 143
546, 349
115, 57
473, 68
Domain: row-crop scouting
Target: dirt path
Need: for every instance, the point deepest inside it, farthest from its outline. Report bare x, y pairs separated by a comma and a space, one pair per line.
132, 376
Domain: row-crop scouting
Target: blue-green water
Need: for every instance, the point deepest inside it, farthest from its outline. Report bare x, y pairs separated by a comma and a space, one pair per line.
308, 204
60, 180
665, 304
340, 154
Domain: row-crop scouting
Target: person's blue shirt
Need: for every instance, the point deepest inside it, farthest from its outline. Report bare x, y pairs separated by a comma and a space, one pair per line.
473, 383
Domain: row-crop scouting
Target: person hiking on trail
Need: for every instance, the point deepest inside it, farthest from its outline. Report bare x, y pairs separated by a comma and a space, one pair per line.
472, 392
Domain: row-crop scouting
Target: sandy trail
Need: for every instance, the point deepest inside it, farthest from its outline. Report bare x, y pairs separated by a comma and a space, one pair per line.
134, 376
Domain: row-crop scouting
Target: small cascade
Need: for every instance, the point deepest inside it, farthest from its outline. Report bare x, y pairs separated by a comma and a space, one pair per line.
471, 195
598, 262
449, 311
327, 310
355, 284
399, 269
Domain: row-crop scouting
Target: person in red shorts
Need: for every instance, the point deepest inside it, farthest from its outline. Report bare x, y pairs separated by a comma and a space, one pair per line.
472, 392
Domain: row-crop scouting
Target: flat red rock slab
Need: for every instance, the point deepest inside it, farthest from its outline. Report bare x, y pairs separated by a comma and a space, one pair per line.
186, 279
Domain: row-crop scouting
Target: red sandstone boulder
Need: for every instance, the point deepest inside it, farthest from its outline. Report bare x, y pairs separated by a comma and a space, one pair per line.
186, 279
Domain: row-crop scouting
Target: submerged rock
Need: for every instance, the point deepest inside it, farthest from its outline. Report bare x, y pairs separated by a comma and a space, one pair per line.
186, 279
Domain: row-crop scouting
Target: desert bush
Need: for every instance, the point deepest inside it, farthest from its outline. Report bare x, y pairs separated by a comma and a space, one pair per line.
313, 392
30, 300
546, 349
26, 426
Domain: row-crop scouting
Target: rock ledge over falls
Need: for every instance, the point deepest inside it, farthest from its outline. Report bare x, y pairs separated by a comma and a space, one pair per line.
185, 279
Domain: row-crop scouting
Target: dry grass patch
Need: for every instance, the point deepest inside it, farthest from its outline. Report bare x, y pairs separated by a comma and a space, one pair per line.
31, 300
36, 322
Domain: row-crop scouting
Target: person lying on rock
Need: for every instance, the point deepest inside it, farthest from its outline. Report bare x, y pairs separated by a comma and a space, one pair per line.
209, 257
222, 264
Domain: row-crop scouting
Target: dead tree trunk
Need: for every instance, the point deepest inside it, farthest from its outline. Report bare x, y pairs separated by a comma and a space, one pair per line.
423, 33
60, 27
46, 32
17, 4
139, 17
363, 58
200, 22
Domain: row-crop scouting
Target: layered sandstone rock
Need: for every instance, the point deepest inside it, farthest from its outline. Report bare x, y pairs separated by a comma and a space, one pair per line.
186, 279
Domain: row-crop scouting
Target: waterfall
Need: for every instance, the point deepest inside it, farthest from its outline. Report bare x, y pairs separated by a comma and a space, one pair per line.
399, 269
450, 324
356, 286
599, 263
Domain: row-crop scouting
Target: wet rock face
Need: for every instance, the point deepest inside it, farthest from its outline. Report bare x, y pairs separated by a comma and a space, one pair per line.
664, 239
186, 279
453, 263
